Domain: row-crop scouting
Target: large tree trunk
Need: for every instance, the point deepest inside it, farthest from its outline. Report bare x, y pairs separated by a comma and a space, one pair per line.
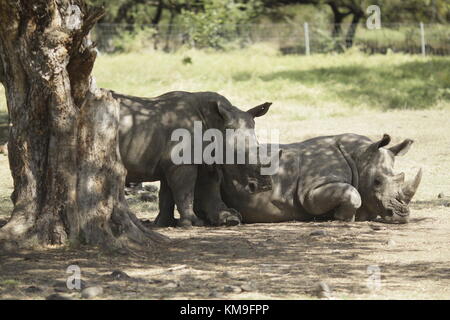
349, 37
158, 14
63, 142
338, 18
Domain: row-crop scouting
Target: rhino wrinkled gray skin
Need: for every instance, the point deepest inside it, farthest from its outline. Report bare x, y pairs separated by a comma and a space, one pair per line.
146, 126
345, 177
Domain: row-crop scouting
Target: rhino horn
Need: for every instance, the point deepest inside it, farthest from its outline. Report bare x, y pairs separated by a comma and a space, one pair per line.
410, 188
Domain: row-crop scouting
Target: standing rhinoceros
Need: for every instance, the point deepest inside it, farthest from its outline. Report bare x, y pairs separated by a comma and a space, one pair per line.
343, 177
145, 131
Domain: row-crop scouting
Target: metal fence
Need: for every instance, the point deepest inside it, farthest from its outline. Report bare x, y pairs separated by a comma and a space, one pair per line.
306, 38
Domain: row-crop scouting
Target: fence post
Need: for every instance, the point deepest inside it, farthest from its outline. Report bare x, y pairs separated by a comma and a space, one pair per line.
422, 38
307, 52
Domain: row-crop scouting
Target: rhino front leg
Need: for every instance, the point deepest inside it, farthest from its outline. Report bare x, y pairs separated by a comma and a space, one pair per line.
181, 180
166, 216
342, 198
208, 202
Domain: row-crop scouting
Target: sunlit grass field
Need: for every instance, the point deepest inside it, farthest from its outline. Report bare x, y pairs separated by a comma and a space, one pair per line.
304, 87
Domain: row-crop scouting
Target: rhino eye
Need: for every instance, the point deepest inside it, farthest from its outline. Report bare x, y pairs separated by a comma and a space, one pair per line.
377, 182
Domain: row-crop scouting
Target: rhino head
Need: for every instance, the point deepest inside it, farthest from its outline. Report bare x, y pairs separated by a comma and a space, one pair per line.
243, 125
383, 192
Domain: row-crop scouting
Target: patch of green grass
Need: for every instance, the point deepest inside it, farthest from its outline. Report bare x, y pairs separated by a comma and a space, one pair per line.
410, 85
329, 84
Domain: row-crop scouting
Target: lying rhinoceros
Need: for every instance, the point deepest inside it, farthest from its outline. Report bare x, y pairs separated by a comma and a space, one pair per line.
145, 131
343, 177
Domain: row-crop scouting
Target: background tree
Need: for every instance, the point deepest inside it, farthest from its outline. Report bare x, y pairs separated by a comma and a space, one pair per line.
63, 142
204, 17
341, 9
393, 11
218, 22
353, 12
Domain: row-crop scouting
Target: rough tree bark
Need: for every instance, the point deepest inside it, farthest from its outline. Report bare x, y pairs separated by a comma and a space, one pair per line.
338, 18
158, 14
349, 37
63, 142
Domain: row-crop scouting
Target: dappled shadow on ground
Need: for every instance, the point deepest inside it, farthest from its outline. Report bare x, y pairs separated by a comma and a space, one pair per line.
419, 270
261, 260
412, 85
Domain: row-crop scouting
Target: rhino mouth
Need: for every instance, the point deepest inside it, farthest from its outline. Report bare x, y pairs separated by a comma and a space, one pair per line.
397, 211
397, 207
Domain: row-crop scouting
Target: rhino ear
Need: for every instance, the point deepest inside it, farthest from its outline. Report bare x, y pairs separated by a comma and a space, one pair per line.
384, 141
379, 144
224, 112
401, 148
260, 110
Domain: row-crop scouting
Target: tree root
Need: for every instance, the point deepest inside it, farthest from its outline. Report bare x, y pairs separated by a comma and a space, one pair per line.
124, 234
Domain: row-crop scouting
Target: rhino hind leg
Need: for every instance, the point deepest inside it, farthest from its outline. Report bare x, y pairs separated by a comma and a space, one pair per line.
342, 199
166, 217
181, 181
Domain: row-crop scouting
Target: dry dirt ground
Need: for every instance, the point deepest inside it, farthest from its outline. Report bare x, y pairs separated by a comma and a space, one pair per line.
276, 261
